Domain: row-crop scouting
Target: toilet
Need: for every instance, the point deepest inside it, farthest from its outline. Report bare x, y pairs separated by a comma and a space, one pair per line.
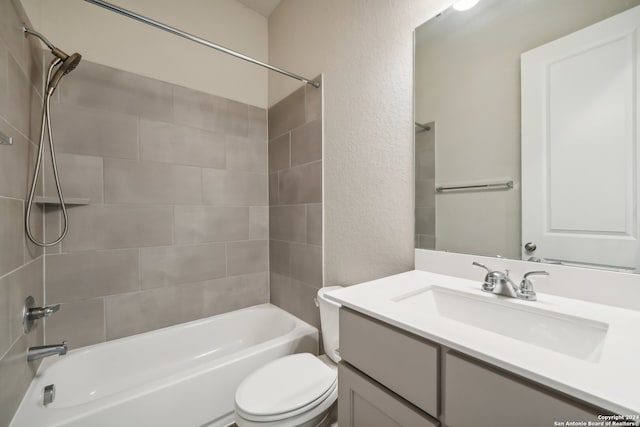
299, 390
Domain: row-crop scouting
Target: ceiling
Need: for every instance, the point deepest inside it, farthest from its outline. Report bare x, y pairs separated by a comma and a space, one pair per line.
263, 7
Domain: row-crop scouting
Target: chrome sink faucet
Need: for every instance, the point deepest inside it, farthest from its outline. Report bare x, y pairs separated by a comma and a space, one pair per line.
498, 282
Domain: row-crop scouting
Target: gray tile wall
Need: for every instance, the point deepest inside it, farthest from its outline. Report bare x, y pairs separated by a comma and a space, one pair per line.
425, 188
295, 202
177, 226
21, 265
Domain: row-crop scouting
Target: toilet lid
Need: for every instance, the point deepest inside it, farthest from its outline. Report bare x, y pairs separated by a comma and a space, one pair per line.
284, 386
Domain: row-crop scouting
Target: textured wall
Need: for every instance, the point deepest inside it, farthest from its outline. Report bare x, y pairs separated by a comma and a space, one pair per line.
128, 45
365, 51
20, 263
295, 202
177, 224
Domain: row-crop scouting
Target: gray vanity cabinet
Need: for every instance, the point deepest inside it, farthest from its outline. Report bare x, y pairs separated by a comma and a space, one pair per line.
389, 377
364, 403
479, 395
402, 362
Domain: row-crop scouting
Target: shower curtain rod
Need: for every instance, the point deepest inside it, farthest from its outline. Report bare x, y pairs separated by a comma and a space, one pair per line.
197, 39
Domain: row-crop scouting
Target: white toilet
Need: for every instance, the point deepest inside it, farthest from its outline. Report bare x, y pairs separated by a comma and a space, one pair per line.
297, 390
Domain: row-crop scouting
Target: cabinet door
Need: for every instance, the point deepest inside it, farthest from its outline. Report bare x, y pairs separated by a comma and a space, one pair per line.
400, 361
475, 395
363, 403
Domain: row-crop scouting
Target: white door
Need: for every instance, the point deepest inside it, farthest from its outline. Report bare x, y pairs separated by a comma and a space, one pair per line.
580, 157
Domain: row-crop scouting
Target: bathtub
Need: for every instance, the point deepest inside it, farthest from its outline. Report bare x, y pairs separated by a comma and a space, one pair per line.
184, 375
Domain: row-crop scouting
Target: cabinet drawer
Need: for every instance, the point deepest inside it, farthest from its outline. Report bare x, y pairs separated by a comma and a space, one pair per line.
477, 395
363, 403
403, 363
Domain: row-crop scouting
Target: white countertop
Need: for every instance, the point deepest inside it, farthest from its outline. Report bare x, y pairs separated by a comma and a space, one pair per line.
611, 382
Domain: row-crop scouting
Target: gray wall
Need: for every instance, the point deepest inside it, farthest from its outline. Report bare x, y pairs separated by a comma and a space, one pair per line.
295, 202
20, 263
177, 224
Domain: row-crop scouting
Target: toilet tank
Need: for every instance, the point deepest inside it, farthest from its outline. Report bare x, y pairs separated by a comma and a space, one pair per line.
329, 323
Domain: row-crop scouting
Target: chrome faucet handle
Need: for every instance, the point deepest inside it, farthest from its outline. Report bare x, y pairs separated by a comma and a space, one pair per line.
34, 313
536, 273
490, 279
525, 290
31, 313
477, 264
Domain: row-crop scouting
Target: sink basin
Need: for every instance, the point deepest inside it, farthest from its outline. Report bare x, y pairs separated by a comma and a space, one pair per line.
573, 336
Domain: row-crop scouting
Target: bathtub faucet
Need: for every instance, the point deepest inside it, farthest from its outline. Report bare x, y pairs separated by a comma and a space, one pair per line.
35, 353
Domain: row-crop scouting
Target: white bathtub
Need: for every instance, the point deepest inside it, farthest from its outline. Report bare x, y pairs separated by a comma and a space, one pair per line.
181, 376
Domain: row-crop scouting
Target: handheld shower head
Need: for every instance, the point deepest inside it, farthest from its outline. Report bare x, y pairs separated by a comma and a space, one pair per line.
69, 64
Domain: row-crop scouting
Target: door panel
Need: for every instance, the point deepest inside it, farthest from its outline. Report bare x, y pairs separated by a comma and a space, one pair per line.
580, 121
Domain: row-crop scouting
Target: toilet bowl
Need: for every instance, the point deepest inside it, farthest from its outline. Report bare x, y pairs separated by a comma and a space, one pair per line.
299, 390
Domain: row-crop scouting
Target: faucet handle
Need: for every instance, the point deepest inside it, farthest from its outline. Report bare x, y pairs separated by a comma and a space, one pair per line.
34, 313
477, 264
526, 291
490, 279
536, 273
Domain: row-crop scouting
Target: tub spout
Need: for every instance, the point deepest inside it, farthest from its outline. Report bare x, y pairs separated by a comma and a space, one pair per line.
35, 353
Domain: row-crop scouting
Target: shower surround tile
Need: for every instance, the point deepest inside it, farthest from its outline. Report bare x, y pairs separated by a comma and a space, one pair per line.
201, 110
198, 224
314, 224
288, 223
279, 153
13, 160
295, 297
301, 184
21, 264
118, 226
247, 257
175, 265
259, 223
105, 88
129, 314
306, 264
78, 276
18, 98
81, 130
11, 235
246, 154
133, 182
258, 124
4, 79
295, 202
287, 114
80, 177
306, 143
227, 187
233, 293
178, 224
61, 327
171, 143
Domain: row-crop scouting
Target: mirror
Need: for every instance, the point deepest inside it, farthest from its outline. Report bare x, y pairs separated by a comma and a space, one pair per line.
527, 118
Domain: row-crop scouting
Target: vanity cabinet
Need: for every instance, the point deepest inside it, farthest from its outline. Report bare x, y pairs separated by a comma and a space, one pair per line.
364, 403
389, 377
402, 362
476, 394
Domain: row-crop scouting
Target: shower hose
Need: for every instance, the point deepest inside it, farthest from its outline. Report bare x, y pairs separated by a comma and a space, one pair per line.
46, 125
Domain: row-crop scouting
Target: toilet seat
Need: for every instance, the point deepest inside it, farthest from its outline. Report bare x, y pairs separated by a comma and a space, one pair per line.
286, 388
